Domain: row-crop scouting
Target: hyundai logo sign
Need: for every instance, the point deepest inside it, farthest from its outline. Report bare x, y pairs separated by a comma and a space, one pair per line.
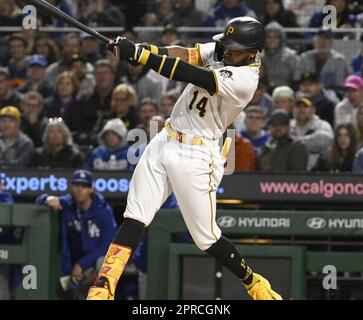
226, 221
316, 223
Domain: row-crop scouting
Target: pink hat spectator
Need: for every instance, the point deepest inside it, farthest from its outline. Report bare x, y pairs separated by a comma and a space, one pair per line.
354, 81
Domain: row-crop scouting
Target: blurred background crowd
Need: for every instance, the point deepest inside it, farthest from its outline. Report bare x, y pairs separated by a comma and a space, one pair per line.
65, 102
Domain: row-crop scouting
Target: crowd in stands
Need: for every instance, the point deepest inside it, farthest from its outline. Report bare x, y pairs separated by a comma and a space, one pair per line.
65, 102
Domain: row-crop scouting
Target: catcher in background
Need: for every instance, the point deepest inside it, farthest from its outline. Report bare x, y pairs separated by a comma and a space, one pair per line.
185, 156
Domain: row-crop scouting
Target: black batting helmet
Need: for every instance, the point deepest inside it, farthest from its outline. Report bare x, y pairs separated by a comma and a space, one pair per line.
242, 33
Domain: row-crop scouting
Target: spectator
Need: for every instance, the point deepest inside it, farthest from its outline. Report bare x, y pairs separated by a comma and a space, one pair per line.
16, 148
64, 103
282, 153
36, 72
280, 60
169, 36
112, 152
167, 102
146, 82
72, 46
344, 147
17, 66
359, 127
47, 47
245, 157
226, 10
87, 228
8, 96
284, 99
255, 121
329, 65
262, 98
147, 109
10, 13
33, 120
124, 100
58, 150
346, 110
357, 62
87, 82
90, 48
316, 134
344, 18
164, 11
310, 85
275, 11
100, 99
46, 20
30, 36
186, 15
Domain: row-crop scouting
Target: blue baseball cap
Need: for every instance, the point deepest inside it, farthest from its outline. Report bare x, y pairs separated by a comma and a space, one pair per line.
83, 177
37, 59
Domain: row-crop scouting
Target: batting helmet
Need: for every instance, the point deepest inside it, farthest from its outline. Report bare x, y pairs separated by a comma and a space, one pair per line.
242, 33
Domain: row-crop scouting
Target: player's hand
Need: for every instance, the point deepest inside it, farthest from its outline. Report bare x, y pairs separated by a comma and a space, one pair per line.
54, 203
77, 273
124, 49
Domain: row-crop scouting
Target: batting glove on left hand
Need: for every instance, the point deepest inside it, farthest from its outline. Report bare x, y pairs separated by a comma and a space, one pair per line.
124, 49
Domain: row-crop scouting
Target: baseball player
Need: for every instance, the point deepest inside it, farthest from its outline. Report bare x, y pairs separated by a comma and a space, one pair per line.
185, 156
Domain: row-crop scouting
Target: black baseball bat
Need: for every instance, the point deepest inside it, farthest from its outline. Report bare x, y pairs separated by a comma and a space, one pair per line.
54, 12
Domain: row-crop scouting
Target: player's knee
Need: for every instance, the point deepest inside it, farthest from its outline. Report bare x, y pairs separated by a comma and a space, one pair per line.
204, 244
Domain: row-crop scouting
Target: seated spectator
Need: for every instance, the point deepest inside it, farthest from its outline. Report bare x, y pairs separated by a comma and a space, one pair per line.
169, 36
36, 81
100, 99
90, 48
17, 66
255, 121
16, 148
58, 149
310, 85
167, 102
282, 153
359, 127
226, 10
164, 12
275, 11
64, 103
344, 147
284, 99
146, 82
262, 98
245, 157
111, 154
357, 62
344, 18
101, 14
346, 110
316, 134
33, 120
86, 81
47, 47
147, 109
280, 60
10, 13
87, 228
124, 100
329, 65
186, 15
8, 96
72, 46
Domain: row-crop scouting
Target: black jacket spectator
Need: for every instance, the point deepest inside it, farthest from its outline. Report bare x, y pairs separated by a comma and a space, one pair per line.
8, 97
275, 11
59, 150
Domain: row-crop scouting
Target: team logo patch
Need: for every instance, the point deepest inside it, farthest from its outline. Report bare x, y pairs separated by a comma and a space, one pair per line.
230, 30
225, 74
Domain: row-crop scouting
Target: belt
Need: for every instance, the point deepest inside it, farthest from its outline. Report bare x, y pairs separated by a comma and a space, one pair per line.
182, 137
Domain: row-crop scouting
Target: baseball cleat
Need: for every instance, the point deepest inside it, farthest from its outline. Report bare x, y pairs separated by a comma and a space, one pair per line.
260, 289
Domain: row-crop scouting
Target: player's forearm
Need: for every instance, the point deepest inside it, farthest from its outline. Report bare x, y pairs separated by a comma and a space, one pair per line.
190, 55
176, 69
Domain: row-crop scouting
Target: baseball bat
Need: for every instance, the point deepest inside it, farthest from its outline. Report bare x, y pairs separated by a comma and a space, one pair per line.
54, 12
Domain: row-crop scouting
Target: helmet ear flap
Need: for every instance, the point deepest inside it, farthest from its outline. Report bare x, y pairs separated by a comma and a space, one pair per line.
218, 52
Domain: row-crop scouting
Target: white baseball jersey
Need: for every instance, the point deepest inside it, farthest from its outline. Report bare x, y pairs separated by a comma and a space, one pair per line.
208, 116
192, 172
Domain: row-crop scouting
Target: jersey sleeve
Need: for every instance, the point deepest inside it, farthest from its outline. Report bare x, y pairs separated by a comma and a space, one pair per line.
205, 52
236, 85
